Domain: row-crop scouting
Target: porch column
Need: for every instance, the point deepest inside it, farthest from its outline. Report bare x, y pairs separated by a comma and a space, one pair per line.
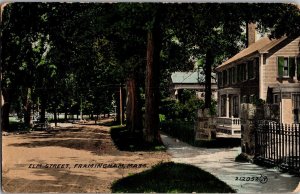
176, 94
239, 105
219, 105
227, 105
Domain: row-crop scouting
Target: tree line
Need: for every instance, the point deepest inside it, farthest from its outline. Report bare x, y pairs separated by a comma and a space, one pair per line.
67, 57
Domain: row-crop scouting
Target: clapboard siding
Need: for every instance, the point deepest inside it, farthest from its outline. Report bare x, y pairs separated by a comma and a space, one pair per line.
270, 69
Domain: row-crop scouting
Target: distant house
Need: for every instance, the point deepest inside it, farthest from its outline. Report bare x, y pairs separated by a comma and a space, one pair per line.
267, 70
192, 81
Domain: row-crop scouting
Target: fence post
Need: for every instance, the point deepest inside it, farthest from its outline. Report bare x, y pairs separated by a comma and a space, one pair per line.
297, 145
293, 155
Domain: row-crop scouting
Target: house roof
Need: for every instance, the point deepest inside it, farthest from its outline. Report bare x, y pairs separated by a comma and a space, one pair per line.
263, 45
192, 77
186, 77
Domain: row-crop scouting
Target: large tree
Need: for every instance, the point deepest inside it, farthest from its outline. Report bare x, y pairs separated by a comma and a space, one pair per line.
77, 50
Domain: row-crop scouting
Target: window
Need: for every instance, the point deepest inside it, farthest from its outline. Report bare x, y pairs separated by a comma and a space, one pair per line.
234, 74
251, 69
230, 76
286, 66
235, 106
223, 106
220, 79
296, 107
238, 73
225, 77
276, 99
243, 72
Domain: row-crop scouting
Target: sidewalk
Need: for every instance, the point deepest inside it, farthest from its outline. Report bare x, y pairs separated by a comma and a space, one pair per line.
220, 162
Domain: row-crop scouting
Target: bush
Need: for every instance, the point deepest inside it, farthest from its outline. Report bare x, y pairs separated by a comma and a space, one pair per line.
175, 110
243, 157
182, 130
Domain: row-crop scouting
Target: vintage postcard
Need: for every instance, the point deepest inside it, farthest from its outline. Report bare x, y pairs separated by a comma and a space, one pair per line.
150, 97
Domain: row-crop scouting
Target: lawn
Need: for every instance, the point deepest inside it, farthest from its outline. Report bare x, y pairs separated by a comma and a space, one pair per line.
171, 178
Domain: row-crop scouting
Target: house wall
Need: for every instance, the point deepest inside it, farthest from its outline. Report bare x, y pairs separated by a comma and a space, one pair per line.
286, 48
249, 86
286, 111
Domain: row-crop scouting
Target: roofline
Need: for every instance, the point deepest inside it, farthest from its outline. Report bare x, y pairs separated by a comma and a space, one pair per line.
237, 61
263, 50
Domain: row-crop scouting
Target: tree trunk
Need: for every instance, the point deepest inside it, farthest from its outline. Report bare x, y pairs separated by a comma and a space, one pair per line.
5, 116
121, 105
5, 111
55, 116
66, 115
27, 107
117, 95
133, 112
151, 131
43, 107
207, 70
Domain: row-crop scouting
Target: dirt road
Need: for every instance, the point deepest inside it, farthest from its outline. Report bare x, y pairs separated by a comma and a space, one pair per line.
74, 158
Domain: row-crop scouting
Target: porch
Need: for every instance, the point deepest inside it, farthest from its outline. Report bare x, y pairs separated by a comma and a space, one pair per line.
228, 127
228, 123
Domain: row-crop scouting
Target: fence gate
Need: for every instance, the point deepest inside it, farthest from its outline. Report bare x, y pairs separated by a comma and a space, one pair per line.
278, 144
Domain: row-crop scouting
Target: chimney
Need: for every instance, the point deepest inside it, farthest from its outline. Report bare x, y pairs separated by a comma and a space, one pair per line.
251, 33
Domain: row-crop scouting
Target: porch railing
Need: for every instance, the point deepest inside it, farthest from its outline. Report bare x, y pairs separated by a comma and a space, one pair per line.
228, 121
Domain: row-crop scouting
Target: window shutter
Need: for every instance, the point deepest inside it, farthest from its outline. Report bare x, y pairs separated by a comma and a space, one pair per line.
280, 63
292, 66
220, 79
298, 68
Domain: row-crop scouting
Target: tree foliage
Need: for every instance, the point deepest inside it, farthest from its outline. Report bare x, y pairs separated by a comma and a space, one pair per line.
64, 56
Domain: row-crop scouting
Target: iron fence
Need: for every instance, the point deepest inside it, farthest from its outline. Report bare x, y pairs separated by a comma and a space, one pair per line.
278, 144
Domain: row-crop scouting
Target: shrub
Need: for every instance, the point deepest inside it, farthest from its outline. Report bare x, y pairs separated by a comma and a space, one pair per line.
175, 110
243, 157
182, 130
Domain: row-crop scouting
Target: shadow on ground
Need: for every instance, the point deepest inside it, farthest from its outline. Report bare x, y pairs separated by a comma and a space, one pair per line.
95, 140
124, 140
218, 143
169, 178
52, 180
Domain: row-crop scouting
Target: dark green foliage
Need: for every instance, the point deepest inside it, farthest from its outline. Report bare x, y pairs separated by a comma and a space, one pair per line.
56, 55
18, 127
182, 130
181, 110
173, 178
128, 141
